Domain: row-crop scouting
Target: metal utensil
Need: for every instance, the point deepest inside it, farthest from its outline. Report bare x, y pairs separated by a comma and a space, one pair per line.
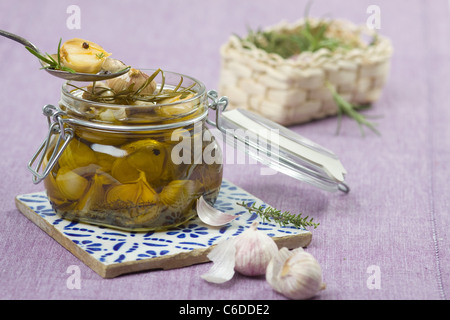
102, 75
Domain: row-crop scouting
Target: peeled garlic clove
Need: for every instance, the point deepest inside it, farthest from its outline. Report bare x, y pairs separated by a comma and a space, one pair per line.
295, 274
126, 193
95, 195
123, 171
112, 115
148, 156
211, 216
97, 89
254, 250
147, 194
70, 184
178, 194
53, 192
77, 155
138, 192
175, 106
132, 80
82, 55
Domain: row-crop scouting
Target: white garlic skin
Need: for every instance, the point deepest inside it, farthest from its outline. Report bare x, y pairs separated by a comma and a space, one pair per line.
295, 274
254, 250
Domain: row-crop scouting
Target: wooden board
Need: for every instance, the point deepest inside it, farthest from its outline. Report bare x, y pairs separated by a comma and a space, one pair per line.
111, 252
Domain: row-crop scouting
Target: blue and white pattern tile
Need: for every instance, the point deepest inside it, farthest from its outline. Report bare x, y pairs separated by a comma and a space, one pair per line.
110, 246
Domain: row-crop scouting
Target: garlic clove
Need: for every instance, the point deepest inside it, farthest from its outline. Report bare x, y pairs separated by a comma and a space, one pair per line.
97, 89
113, 65
148, 156
296, 274
77, 155
94, 197
254, 250
82, 55
223, 258
179, 195
123, 171
211, 216
71, 185
132, 80
248, 253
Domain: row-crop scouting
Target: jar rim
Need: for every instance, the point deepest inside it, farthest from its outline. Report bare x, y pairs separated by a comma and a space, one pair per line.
77, 116
201, 91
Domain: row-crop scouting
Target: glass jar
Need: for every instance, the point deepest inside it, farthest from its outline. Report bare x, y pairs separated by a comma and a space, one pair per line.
135, 167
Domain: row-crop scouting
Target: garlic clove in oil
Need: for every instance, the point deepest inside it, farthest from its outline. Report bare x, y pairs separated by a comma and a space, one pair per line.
295, 274
71, 185
77, 155
98, 89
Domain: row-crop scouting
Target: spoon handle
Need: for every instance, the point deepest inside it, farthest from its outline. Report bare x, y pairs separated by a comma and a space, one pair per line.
19, 39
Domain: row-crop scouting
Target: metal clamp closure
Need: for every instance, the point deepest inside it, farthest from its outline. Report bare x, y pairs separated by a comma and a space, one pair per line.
219, 105
65, 135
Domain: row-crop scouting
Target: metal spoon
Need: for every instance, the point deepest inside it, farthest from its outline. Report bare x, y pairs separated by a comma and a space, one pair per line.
102, 75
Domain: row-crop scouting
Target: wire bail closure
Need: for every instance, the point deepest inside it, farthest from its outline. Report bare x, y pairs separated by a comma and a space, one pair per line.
56, 126
59, 125
218, 105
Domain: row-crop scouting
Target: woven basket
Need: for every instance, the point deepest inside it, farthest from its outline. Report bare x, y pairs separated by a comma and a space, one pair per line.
292, 91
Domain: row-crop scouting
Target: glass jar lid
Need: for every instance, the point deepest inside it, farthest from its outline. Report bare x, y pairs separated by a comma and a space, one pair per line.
278, 147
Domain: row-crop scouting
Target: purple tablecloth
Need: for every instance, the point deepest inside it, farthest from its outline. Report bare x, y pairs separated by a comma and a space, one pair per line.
395, 218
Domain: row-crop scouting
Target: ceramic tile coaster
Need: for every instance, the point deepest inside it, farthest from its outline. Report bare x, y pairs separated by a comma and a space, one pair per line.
111, 252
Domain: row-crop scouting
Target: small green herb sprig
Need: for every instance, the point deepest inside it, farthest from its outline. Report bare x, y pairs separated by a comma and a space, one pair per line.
289, 44
51, 62
282, 218
350, 110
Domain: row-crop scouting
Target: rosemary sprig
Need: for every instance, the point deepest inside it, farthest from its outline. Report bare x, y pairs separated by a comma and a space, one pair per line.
282, 218
350, 110
289, 44
49, 60
130, 94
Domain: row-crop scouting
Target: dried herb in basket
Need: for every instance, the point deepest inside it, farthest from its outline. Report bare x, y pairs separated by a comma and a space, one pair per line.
288, 44
309, 38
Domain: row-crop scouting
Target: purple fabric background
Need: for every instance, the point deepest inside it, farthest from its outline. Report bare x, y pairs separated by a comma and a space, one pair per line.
396, 216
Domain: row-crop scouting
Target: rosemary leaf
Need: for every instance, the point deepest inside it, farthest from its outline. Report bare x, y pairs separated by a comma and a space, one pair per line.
39, 56
48, 59
344, 107
282, 218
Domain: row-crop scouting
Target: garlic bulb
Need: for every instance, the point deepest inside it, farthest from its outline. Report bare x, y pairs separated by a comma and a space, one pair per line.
295, 274
248, 253
132, 80
254, 250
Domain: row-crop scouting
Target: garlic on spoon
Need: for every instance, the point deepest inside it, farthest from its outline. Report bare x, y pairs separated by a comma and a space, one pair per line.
295, 274
82, 55
248, 253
